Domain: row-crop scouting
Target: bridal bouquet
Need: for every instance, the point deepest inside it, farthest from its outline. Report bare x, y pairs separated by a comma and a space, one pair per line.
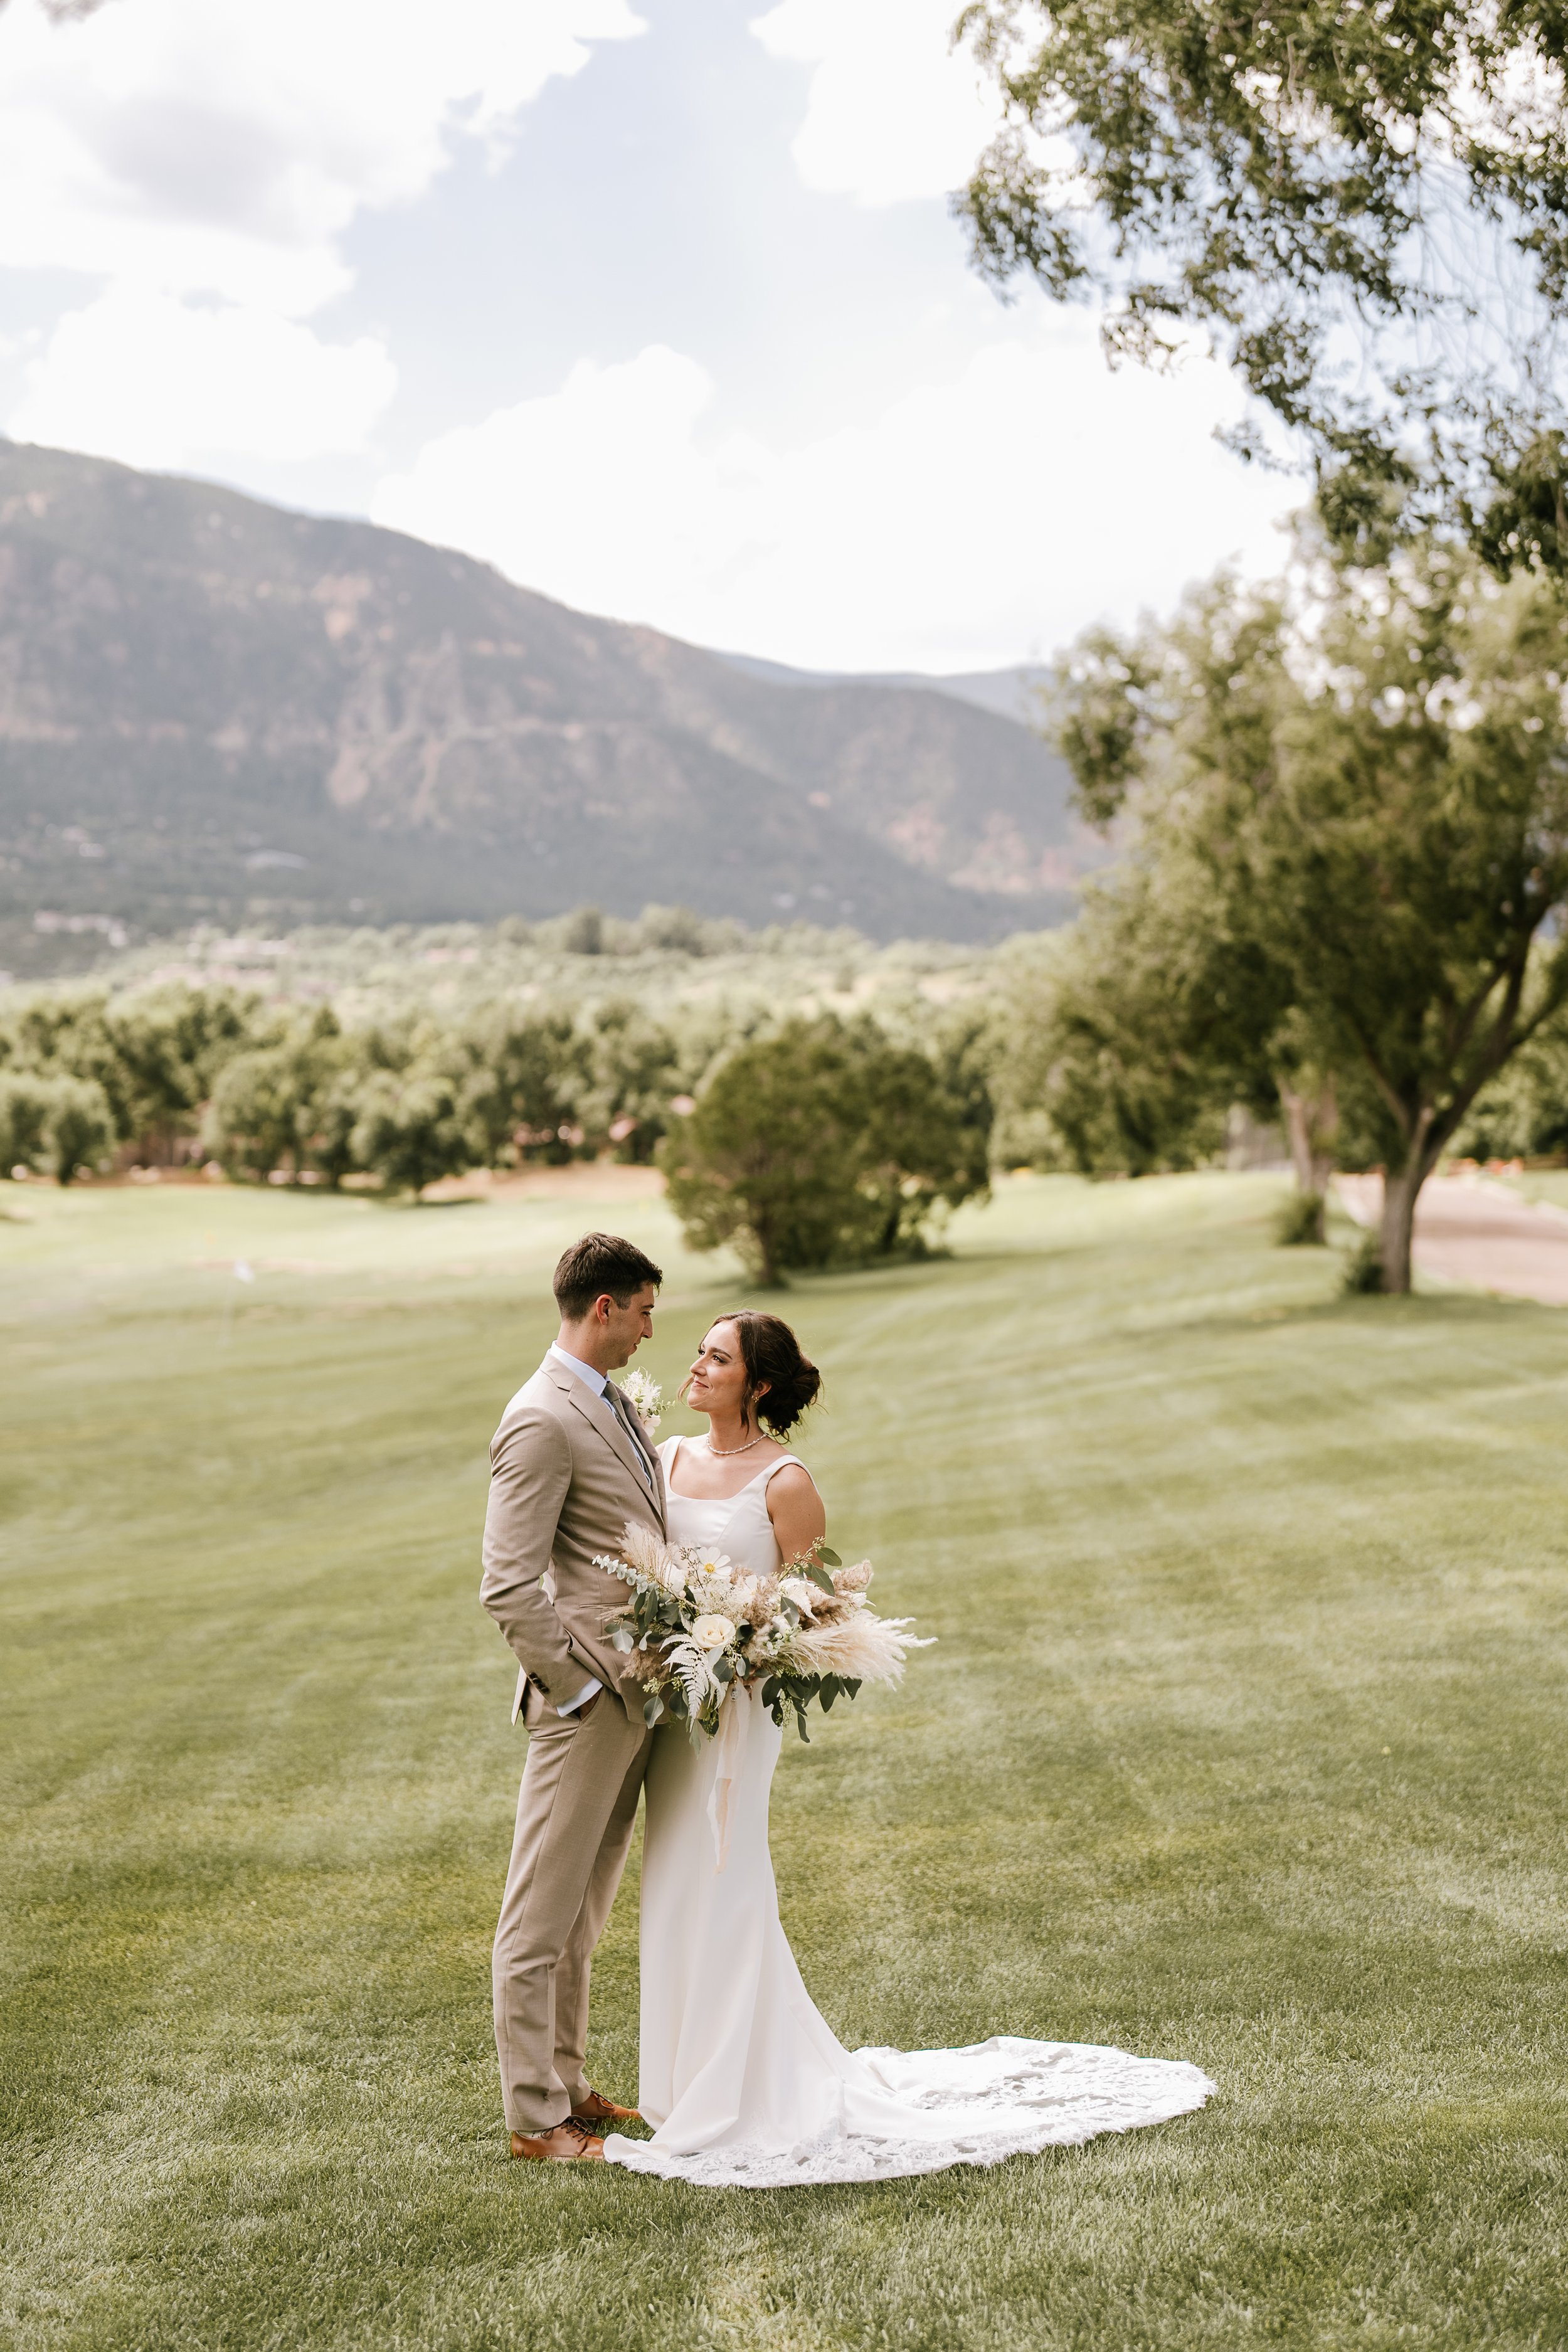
704, 1628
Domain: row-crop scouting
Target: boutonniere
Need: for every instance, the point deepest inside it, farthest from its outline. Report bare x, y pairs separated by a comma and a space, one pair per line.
646, 1398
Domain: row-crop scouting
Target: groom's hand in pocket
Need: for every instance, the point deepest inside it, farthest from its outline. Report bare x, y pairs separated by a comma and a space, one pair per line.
586, 1709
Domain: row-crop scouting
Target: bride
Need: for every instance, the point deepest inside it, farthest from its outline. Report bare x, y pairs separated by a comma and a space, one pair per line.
741, 2075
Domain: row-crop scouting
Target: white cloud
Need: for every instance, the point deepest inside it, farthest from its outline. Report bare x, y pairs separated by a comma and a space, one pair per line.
139, 376
223, 146
602, 482
976, 521
893, 111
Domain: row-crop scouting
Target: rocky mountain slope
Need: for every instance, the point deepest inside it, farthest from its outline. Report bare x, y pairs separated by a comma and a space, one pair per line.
213, 708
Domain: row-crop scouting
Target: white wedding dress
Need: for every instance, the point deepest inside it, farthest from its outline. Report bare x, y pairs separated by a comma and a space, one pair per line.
744, 2080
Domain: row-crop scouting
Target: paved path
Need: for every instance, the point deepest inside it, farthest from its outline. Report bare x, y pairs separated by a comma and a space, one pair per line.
1472, 1230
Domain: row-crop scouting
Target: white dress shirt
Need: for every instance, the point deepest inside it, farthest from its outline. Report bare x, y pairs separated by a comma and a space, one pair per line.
598, 1382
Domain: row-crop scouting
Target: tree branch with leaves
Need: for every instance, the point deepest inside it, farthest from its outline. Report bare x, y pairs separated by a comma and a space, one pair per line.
1363, 208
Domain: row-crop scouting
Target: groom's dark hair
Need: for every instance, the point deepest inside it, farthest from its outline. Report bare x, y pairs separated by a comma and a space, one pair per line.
599, 1264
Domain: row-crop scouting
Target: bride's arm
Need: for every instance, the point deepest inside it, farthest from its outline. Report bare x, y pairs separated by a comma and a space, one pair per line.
795, 1509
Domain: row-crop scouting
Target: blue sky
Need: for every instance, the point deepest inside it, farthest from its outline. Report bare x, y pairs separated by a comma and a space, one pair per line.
658, 305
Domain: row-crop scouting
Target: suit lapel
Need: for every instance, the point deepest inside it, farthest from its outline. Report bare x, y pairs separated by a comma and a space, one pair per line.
606, 1424
639, 1439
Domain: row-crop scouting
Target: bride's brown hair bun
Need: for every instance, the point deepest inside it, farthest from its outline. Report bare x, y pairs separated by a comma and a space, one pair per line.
775, 1361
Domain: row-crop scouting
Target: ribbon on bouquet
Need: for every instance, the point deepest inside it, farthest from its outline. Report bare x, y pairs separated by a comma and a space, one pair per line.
727, 1745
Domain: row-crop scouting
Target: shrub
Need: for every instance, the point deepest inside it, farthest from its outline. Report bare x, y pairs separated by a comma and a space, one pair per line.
1301, 1221
822, 1145
922, 1149
1364, 1268
80, 1126
25, 1102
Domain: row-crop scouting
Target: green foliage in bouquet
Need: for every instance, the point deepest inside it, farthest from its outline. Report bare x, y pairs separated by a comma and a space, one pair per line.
803, 1636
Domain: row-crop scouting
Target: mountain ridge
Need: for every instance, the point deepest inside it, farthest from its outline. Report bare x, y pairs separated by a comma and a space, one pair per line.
1012, 692
213, 709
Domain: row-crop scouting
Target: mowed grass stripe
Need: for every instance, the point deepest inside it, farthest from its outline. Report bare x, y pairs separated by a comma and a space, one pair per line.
1241, 1744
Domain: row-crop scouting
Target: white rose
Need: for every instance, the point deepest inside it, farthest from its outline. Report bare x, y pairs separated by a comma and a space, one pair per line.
711, 1632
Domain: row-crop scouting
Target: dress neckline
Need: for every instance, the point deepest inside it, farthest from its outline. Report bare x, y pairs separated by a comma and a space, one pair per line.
679, 1440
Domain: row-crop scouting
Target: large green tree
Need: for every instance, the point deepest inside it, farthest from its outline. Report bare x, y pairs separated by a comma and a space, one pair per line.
410, 1130
1363, 207
1366, 788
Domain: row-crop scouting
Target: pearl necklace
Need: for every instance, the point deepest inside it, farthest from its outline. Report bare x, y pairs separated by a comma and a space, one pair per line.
724, 1452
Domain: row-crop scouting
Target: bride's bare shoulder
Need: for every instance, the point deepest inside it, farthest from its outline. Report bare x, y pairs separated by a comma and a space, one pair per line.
795, 1508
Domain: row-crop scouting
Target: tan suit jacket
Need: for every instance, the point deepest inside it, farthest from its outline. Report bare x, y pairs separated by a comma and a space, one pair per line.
564, 1480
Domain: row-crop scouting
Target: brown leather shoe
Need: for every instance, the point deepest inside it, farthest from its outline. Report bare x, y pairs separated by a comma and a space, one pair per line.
565, 2143
596, 2109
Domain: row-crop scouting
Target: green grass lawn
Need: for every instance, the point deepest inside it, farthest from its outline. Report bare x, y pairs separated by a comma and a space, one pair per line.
1245, 1743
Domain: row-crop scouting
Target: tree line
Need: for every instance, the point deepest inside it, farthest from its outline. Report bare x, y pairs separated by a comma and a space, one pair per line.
803, 1142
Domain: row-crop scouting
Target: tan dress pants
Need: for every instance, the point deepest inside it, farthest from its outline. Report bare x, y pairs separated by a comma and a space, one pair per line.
574, 1815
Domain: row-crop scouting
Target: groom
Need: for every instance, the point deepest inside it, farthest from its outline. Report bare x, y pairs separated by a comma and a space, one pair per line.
569, 1467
